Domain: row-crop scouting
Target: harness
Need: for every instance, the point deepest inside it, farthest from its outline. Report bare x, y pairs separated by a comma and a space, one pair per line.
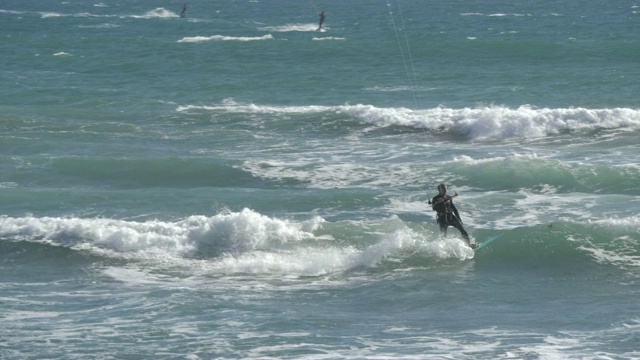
446, 215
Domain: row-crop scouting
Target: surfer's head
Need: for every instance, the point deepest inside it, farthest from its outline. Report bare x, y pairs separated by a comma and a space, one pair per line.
442, 189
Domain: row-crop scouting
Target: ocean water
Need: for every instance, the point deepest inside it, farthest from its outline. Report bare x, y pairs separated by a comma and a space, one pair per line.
236, 184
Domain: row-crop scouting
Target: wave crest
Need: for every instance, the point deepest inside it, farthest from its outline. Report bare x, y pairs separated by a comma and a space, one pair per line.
478, 123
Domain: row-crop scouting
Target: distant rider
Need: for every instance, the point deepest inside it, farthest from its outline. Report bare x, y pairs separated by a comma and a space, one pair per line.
184, 10
322, 16
447, 214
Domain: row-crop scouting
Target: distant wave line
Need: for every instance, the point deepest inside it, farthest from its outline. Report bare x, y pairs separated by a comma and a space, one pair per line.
194, 39
158, 13
328, 38
291, 28
478, 123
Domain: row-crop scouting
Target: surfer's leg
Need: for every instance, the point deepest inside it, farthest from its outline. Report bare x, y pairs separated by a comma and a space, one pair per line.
464, 233
443, 228
456, 224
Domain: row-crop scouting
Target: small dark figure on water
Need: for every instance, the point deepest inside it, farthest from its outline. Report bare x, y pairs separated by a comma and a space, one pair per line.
322, 16
447, 214
184, 10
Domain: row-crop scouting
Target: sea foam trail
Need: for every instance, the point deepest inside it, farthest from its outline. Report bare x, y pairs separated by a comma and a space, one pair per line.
195, 39
487, 122
158, 13
630, 224
291, 27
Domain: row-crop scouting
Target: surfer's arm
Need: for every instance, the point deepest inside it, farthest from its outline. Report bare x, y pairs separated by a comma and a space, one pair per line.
435, 202
450, 198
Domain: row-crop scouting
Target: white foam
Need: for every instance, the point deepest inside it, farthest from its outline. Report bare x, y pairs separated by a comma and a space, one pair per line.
429, 245
631, 223
114, 235
335, 175
23, 315
464, 159
228, 232
195, 39
620, 251
158, 13
315, 261
400, 88
99, 26
232, 242
3, 11
135, 276
232, 106
327, 38
615, 257
544, 207
301, 261
291, 28
46, 15
494, 15
499, 122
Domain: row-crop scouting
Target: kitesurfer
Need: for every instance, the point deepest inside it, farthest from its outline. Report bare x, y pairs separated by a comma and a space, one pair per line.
447, 214
322, 16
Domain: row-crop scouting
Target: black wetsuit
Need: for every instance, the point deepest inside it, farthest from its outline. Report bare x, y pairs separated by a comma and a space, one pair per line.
321, 20
447, 215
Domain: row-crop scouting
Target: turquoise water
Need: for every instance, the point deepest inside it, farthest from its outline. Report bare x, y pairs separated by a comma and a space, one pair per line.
236, 184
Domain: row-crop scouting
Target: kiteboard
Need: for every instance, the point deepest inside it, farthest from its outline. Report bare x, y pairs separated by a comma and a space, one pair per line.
488, 242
